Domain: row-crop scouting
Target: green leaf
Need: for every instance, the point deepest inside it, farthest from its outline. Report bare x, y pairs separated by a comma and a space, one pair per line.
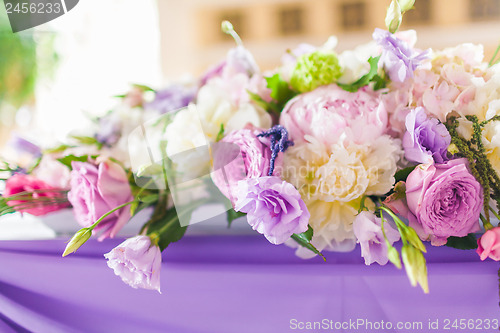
5, 208
281, 92
402, 174
268, 106
233, 215
58, 149
87, 140
220, 135
66, 160
365, 79
304, 239
167, 229
468, 242
143, 87
149, 199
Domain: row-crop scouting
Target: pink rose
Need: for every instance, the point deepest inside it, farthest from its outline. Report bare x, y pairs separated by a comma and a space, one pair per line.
445, 200
240, 155
95, 190
489, 245
51, 198
330, 113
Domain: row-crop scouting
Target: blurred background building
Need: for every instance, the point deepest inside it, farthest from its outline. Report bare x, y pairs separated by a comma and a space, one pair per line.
191, 37
102, 47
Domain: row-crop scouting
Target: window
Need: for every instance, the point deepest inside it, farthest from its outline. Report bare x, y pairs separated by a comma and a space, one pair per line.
484, 9
353, 15
291, 21
237, 19
421, 13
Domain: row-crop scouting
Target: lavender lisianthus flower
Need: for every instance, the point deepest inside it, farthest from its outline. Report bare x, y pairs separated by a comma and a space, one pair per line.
137, 262
238, 60
399, 60
172, 98
368, 231
426, 140
21, 144
274, 207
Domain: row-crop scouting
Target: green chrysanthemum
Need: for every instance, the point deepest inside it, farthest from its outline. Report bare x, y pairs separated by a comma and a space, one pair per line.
315, 69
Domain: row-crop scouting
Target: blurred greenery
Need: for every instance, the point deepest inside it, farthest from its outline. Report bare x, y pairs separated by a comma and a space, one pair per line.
24, 57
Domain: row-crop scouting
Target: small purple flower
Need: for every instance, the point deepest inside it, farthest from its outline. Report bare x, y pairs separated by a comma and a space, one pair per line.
137, 262
274, 207
109, 129
172, 98
399, 60
20, 144
426, 140
367, 229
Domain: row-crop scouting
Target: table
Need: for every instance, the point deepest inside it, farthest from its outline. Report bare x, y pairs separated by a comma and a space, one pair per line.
235, 284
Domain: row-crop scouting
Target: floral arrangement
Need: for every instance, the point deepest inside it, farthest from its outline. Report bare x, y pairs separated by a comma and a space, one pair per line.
375, 145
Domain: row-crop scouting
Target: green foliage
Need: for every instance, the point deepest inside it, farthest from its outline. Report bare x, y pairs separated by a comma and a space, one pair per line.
87, 141
479, 164
220, 135
167, 229
281, 93
66, 160
233, 215
402, 174
304, 239
18, 67
468, 242
371, 76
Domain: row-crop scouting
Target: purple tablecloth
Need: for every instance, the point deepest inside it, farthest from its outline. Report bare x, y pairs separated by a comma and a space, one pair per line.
236, 284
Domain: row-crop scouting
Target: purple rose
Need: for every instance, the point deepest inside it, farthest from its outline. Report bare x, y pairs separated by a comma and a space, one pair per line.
95, 190
399, 60
273, 206
137, 262
230, 167
445, 200
367, 229
426, 140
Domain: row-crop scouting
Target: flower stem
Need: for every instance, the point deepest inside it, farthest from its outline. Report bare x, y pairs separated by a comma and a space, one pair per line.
495, 213
109, 213
492, 61
487, 225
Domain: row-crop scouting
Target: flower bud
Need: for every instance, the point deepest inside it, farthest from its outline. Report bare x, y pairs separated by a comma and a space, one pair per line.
78, 240
393, 256
394, 17
415, 267
453, 149
227, 27
406, 5
411, 236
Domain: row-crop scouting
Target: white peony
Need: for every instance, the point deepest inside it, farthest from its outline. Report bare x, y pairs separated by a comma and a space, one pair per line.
342, 172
